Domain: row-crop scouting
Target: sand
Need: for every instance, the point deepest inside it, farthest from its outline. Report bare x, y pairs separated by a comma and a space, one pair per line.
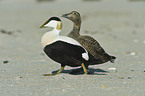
119, 26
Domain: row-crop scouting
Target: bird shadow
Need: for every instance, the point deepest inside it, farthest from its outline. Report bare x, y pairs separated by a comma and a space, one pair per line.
79, 71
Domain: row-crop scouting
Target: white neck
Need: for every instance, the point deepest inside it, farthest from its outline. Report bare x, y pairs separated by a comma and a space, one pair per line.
50, 37
54, 32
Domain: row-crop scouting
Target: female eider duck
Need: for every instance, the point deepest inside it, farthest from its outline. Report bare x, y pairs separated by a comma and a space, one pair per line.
62, 49
96, 53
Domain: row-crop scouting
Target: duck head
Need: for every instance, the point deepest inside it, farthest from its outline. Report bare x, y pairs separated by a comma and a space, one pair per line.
53, 22
73, 16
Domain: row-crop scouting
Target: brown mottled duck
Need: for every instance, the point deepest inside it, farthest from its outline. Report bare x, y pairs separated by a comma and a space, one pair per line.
97, 54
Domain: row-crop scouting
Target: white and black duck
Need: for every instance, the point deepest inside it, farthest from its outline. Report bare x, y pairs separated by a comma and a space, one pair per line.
62, 49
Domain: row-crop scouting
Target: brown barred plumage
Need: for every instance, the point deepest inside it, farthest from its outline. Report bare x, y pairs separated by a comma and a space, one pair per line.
96, 52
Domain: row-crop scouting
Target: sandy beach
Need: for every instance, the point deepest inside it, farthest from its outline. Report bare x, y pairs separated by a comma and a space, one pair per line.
118, 25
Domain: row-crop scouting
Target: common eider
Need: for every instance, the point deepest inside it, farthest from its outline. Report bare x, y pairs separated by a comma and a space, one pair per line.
62, 49
96, 53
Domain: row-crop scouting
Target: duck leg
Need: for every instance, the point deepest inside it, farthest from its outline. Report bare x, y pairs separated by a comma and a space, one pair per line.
61, 69
84, 68
76, 71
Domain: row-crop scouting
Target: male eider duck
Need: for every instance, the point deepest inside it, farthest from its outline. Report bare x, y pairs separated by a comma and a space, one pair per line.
62, 49
96, 53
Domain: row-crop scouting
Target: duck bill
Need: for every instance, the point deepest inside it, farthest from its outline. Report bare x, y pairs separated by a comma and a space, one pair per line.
64, 15
42, 26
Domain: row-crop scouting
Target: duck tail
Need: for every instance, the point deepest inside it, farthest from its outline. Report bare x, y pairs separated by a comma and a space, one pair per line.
112, 59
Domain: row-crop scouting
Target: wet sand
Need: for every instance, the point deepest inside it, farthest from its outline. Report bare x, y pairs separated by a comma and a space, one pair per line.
119, 26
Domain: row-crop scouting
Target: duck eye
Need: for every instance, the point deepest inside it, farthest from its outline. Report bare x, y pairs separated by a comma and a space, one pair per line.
74, 13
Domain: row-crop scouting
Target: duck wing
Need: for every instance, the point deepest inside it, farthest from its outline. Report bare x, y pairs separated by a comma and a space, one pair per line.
94, 48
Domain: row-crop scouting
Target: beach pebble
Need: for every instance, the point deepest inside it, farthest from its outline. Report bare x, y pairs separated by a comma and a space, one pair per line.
121, 78
129, 77
18, 78
5, 62
133, 53
63, 78
6, 32
11, 85
112, 69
